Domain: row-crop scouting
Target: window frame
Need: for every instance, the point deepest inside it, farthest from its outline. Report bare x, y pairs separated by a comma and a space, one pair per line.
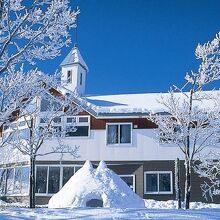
21, 182
77, 123
47, 180
158, 181
118, 143
64, 124
61, 175
130, 175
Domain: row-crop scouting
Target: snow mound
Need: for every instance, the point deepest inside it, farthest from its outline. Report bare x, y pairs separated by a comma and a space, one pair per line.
88, 166
101, 167
100, 184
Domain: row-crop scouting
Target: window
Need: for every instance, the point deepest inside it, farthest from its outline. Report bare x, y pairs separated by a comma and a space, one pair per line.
49, 103
81, 79
129, 180
14, 180
50, 179
56, 131
41, 179
9, 180
78, 119
119, 133
71, 120
25, 180
158, 182
69, 76
2, 181
77, 168
57, 120
54, 179
83, 119
75, 126
68, 172
77, 131
17, 180
79, 128
44, 105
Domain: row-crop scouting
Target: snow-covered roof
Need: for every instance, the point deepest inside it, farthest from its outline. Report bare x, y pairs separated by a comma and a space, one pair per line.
74, 57
102, 183
125, 103
138, 103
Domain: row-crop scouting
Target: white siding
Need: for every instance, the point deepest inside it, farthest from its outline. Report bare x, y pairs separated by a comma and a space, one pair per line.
145, 146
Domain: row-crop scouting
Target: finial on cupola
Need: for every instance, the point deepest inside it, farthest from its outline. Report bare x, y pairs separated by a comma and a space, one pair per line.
76, 26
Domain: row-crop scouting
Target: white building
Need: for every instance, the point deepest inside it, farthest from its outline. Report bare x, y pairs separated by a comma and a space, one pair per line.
113, 128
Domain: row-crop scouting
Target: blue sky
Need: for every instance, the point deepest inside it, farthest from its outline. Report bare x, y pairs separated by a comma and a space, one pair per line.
137, 46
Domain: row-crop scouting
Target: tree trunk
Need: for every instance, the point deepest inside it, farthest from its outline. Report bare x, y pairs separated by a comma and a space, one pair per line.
32, 168
187, 153
177, 182
187, 183
32, 182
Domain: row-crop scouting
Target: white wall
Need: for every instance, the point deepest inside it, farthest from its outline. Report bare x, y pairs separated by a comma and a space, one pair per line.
145, 146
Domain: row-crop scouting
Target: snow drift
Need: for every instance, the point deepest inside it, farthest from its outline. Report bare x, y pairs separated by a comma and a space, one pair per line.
100, 184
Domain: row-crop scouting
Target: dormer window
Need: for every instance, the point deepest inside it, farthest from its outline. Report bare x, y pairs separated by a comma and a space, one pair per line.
69, 76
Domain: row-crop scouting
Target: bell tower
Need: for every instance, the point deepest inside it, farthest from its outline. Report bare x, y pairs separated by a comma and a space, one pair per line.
74, 70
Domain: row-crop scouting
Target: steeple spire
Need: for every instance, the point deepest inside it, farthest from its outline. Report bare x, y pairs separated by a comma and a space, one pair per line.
76, 29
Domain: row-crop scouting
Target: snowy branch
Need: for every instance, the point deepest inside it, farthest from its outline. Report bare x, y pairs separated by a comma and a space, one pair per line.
209, 167
192, 117
31, 31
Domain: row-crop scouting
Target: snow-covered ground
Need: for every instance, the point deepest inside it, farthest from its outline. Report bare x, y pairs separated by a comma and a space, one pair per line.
154, 210
109, 213
172, 204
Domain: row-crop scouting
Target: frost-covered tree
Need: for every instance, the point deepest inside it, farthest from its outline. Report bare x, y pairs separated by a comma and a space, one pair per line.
39, 123
29, 31
17, 88
209, 168
192, 118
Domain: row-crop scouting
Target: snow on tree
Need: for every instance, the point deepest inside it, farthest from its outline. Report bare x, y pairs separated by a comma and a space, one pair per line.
48, 107
190, 120
177, 183
209, 168
17, 88
29, 31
